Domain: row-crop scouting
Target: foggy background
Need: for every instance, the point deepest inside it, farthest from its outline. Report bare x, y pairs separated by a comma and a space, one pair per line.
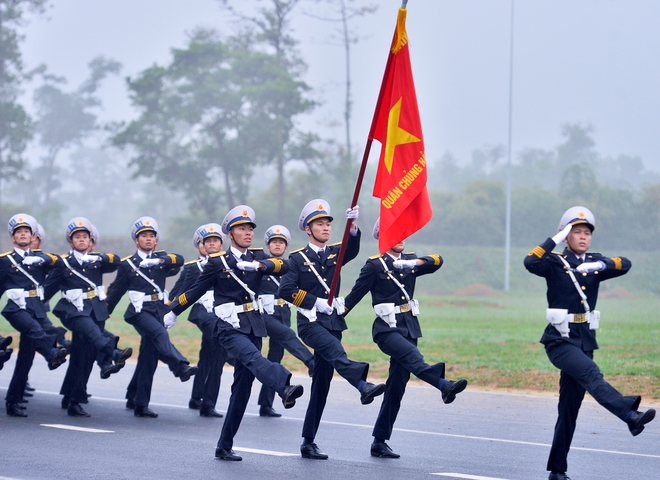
585, 116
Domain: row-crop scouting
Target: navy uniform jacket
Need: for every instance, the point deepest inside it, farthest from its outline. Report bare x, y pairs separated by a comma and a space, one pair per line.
10, 277
189, 275
62, 278
228, 290
270, 287
301, 287
128, 279
374, 279
562, 292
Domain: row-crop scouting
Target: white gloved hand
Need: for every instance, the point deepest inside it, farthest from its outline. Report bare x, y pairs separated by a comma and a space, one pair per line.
322, 306
32, 260
169, 320
90, 258
401, 264
353, 213
588, 267
252, 266
561, 236
149, 262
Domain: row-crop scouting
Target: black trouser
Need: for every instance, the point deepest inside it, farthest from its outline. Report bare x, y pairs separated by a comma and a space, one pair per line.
212, 357
579, 373
249, 363
24, 361
329, 355
154, 344
281, 337
405, 359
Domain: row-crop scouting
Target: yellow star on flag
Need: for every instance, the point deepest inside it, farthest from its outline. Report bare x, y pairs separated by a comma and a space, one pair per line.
395, 135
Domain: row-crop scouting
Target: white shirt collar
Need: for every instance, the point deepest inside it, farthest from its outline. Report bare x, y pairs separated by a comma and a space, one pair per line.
77, 255
236, 252
316, 249
21, 252
143, 255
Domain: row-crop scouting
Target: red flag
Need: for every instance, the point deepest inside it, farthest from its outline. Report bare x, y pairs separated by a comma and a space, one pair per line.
401, 177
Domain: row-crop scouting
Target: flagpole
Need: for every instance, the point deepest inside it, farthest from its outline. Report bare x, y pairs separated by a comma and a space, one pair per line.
358, 183
507, 239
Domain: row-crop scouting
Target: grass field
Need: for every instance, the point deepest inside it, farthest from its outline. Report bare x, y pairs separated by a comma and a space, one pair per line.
492, 341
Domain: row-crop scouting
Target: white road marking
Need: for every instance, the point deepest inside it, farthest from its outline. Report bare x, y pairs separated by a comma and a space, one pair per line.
466, 476
78, 429
419, 432
265, 452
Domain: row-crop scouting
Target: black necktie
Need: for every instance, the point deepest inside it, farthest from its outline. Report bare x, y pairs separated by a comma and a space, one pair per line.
244, 257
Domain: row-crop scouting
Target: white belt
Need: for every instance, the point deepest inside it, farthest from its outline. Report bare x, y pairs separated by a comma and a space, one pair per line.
18, 295
207, 300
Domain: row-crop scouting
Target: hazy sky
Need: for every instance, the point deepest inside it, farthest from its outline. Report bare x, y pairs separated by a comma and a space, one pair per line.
588, 61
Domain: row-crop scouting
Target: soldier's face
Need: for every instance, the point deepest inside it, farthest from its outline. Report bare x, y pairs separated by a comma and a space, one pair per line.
212, 245
146, 241
579, 240
202, 250
399, 247
242, 236
80, 241
22, 237
277, 247
320, 229
35, 243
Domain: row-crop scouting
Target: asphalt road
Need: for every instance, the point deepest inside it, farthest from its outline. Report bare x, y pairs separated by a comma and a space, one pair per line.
482, 435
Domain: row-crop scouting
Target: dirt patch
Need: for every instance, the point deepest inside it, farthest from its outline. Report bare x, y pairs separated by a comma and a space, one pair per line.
619, 292
477, 290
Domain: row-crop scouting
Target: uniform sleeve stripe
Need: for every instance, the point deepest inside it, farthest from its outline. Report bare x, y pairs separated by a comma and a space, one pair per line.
617, 263
436, 259
538, 251
298, 297
278, 264
111, 257
172, 257
183, 301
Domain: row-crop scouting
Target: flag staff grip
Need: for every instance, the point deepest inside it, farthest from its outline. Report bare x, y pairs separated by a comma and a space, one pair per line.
347, 228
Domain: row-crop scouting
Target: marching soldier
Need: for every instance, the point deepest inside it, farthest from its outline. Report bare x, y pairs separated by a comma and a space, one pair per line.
573, 278
320, 325
391, 280
143, 276
277, 316
22, 274
235, 277
82, 309
208, 240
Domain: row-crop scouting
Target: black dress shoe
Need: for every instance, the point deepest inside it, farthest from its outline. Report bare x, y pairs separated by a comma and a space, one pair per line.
194, 404
130, 404
311, 450
268, 412
186, 371
224, 454
75, 410
57, 358
452, 389
5, 342
144, 412
370, 391
558, 476
291, 392
28, 388
66, 401
28, 394
209, 412
14, 410
107, 369
638, 420
121, 356
5, 355
382, 450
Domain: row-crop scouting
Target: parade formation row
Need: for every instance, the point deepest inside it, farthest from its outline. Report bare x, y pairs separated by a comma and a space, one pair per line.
238, 295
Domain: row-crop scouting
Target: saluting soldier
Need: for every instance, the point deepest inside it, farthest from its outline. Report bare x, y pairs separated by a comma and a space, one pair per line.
319, 324
22, 274
143, 276
573, 278
82, 309
235, 277
391, 279
277, 316
208, 240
